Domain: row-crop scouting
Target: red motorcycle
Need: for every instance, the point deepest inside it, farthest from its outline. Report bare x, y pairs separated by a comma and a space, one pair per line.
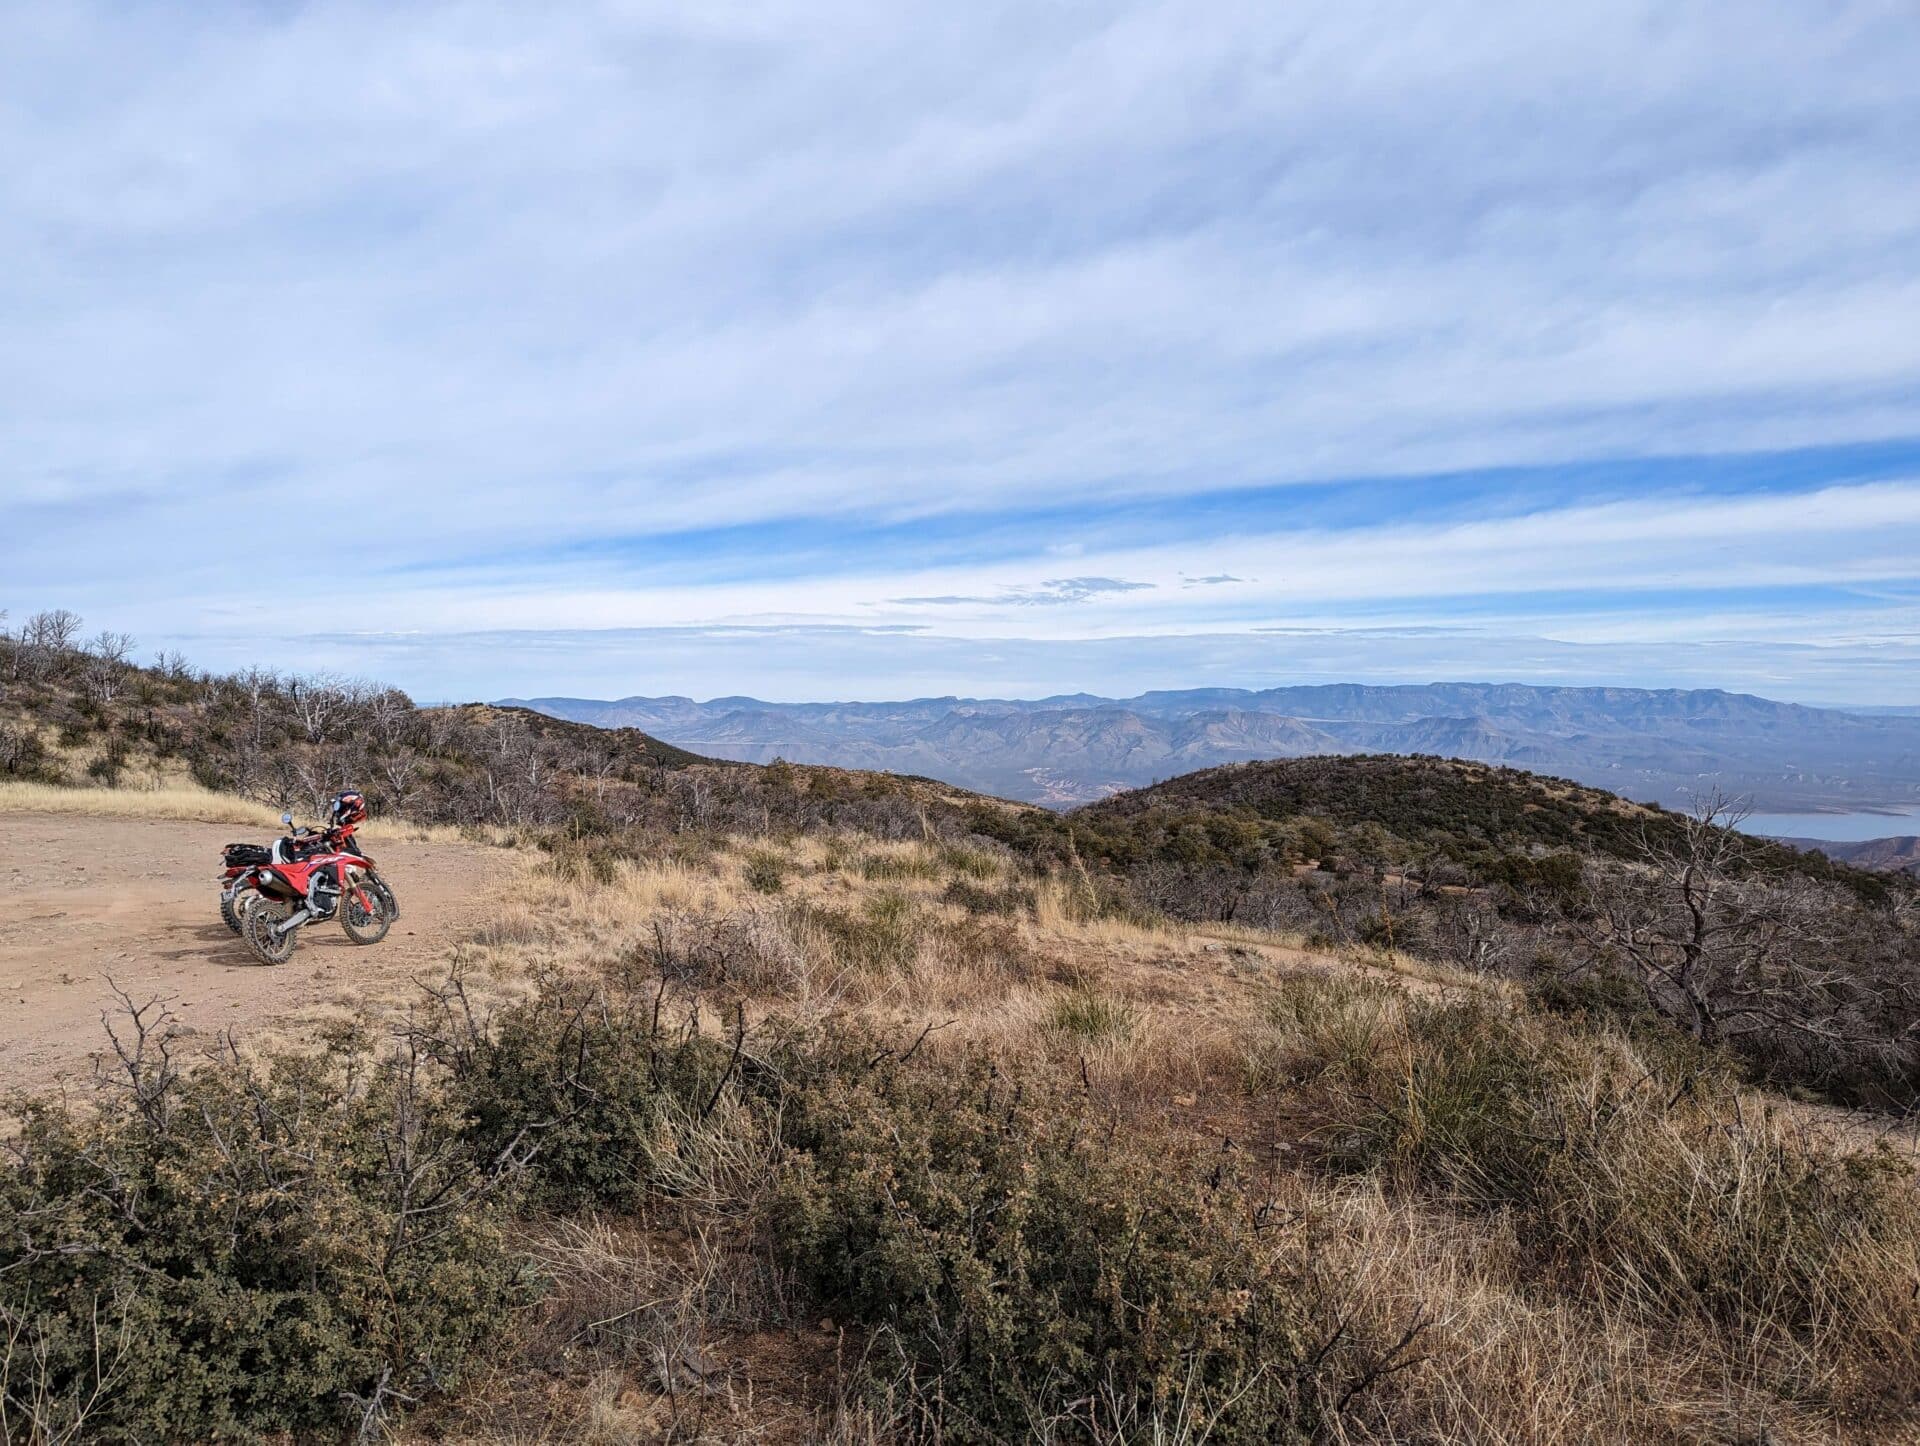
268, 895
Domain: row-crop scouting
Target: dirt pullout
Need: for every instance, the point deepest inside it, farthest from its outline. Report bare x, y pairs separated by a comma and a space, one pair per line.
87, 900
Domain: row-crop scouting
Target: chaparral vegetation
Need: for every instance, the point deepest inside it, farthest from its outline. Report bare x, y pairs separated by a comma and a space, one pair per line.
1378, 1099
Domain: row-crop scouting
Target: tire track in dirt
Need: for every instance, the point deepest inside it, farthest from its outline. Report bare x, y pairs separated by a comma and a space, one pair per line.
88, 899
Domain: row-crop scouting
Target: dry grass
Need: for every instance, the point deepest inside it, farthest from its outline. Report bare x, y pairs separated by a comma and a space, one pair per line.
587, 920
857, 925
185, 800
1505, 1362
864, 926
648, 1331
1764, 1269
671, 1326
411, 832
1636, 1268
174, 801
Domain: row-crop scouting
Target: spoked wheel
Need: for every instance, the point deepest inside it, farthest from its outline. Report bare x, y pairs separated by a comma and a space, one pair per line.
229, 915
243, 904
257, 928
367, 910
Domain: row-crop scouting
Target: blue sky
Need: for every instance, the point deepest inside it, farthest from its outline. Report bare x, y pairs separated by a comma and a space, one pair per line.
847, 349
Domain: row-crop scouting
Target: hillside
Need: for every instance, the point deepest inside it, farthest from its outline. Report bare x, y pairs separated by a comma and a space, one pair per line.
1807, 967
85, 715
1652, 744
1426, 798
1457, 809
1360, 1099
1900, 854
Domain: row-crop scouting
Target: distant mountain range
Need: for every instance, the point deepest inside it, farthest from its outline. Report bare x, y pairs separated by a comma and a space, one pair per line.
1666, 745
1882, 855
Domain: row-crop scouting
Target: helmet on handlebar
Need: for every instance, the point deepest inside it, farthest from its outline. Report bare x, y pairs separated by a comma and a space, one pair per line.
346, 808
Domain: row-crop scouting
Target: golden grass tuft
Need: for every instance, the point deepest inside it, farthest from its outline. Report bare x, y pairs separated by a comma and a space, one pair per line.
188, 802
174, 801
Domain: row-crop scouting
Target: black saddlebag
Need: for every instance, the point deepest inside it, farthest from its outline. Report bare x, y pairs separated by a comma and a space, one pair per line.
246, 855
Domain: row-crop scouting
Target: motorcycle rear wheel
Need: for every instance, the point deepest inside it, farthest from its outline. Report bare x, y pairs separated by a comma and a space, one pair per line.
260, 921
228, 914
368, 924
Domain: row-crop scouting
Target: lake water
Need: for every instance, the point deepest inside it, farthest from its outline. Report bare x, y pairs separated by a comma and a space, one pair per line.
1833, 827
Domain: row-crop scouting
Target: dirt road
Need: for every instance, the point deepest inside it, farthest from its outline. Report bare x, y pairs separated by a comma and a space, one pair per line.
84, 900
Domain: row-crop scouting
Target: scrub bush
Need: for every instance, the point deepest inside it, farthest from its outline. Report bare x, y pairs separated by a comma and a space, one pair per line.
1025, 1276
247, 1249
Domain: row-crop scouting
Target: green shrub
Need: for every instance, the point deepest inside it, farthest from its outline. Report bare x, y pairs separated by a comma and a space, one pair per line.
587, 858
1456, 1116
243, 1251
1558, 877
891, 930
1022, 1275
1599, 994
23, 755
765, 870
110, 765
1320, 1025
1007, 899
590, 1071
884, 936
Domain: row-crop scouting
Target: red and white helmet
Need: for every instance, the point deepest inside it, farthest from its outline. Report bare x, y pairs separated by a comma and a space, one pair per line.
347, 808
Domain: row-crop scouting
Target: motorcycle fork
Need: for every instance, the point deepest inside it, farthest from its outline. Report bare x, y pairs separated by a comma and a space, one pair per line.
353, 882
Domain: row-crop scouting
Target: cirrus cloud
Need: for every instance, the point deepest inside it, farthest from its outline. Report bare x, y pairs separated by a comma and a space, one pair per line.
627, 314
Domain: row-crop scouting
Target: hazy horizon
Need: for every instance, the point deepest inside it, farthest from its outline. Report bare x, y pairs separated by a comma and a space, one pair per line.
1069, 694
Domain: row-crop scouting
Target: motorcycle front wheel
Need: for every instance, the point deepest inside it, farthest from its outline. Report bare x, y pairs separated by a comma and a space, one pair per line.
228, 914
367, 910
259, 924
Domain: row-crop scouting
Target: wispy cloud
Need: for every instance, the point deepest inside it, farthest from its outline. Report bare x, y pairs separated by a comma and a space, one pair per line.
630, 315
1045, 594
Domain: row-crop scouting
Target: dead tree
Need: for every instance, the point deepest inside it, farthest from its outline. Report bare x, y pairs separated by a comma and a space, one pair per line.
42, 643
397, 772
316, 702
106, 669
261, 689
390, 711
1720, 943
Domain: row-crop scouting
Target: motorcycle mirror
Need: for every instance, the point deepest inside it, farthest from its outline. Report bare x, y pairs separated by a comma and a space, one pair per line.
287, 819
